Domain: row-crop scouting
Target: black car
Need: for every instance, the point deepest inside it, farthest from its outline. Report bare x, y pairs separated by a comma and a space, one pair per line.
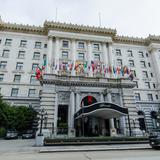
154, 139
28, 134
11, 134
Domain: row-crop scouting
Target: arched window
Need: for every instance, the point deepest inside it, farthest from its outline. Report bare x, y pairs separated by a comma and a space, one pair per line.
141, 119
154, 119
88, 100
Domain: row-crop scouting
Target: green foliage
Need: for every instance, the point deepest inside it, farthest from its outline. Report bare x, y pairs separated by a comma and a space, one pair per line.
2, 132
20, 118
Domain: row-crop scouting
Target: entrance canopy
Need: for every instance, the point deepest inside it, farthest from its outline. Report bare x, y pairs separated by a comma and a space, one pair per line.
103, 110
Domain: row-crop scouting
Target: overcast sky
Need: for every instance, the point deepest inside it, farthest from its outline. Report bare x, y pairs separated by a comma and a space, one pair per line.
137, 18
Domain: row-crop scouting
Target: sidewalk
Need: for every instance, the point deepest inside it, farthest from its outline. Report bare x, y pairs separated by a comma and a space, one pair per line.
87, 148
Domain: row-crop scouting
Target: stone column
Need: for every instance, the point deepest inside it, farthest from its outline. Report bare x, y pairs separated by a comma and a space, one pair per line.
110, 58
105, 54
101, 97
71, 130
90, 57
55, 115
49, 55
77, 101
57, 55
73, 55
111, 121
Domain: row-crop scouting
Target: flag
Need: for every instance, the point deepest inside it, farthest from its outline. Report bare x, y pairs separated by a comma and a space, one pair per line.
92, 65
131, 77
110, 69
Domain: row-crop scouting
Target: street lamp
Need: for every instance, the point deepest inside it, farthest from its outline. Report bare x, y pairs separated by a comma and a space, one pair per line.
43, 116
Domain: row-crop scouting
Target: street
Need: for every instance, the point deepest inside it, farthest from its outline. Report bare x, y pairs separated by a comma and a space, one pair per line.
24, 150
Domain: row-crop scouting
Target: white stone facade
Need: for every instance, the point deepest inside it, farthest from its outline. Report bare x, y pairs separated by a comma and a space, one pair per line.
65, 43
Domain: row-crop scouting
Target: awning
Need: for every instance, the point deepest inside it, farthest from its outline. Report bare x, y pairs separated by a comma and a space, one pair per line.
103, 110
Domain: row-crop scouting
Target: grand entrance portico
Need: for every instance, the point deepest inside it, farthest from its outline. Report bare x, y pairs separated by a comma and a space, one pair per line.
90, 106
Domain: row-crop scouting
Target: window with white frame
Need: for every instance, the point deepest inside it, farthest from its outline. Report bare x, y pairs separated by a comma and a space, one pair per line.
147, 84
96, 46
118, 52
38, 45
137, 97
23, 43
14, 92
119, 62
130, 54
131, 63
8, 42
1, 77
19, 66
31, 92
34, 66
81, 45
36, 55
144, 74
81, 56
97, 57
149, 64
3, 64
154, 85
141, 54
32, 79
143, 64
21, 54
151, 74
150, 97
64, 54
65, 44
136, 84
133, 72
17, 78
5, 53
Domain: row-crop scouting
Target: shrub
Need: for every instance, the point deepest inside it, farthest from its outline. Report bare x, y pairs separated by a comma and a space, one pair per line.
2, 132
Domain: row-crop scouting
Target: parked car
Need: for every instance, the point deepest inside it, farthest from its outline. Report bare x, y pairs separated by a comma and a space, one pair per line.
28, 134
154, 139
11, 134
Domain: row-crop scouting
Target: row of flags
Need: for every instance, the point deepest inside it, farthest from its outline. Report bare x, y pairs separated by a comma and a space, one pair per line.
83, 67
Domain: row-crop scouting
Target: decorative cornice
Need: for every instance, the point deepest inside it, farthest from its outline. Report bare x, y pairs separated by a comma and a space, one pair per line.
69, 27
129, 40
13, 27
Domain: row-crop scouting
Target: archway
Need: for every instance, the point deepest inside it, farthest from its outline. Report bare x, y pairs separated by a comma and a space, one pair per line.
88, 100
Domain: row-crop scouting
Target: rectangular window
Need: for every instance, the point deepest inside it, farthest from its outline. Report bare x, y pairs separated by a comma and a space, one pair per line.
23, 43
81, 45
137, 97
134, 72
96, 46
97, 57
150, 97
141, 55
19, 66
45, 45
156, 96
21, 54
130, 54
38, 45
118, 52
36, 55
14, 92
17, 78
147, 84
131, 63
64, 54
145, 74
5, 53
154, 85
146, 54
119, 62
34, 66
143, 65
65, 44
81, 56
1, 77
33, 79
136, 83
8, 42
151, 74
31, 92
149, 64
3, 64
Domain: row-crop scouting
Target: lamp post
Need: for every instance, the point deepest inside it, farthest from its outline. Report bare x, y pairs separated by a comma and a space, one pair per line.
43, 116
